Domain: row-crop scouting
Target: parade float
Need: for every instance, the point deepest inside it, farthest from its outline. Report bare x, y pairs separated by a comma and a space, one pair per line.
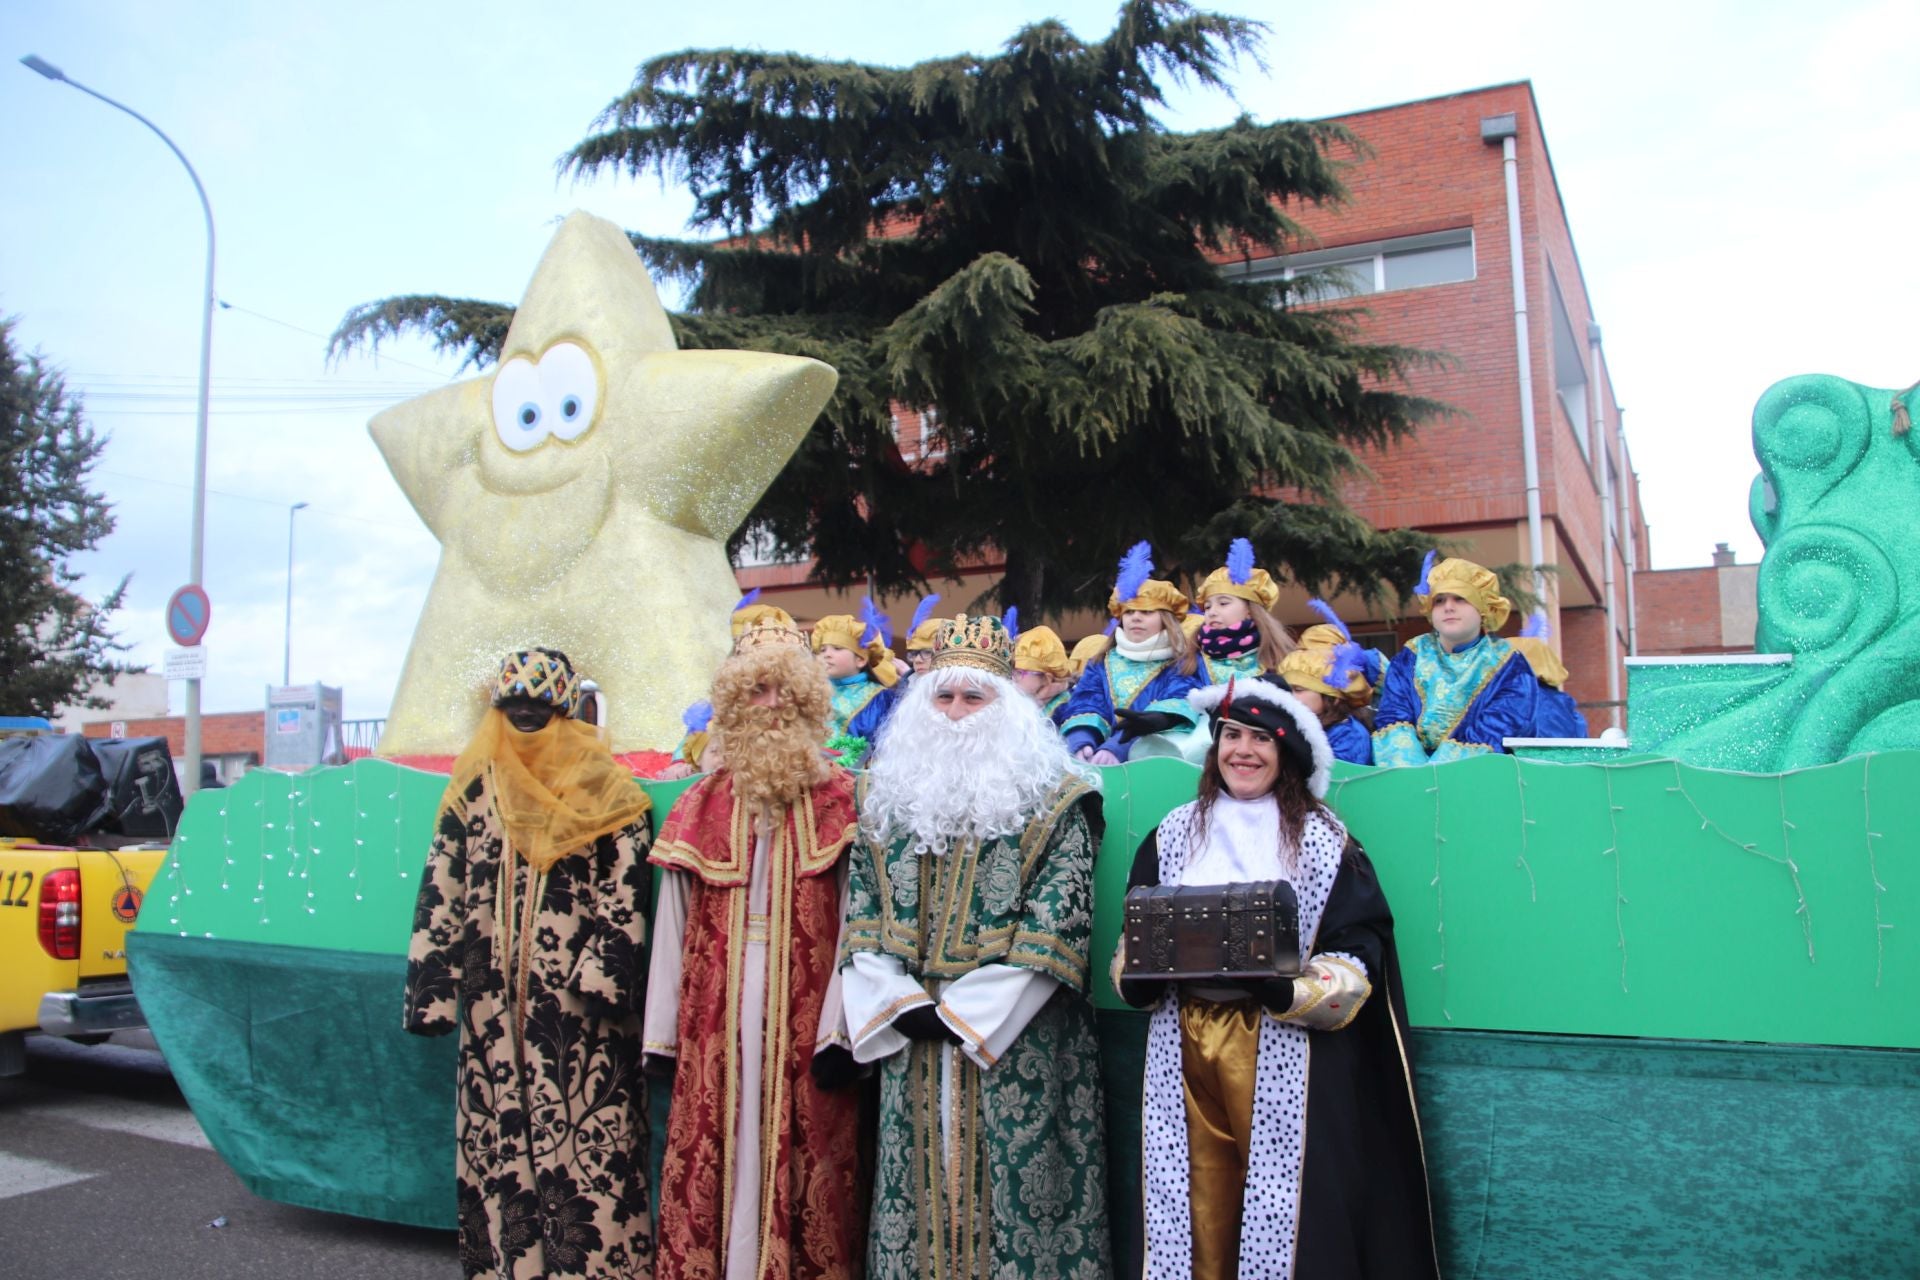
1666, 991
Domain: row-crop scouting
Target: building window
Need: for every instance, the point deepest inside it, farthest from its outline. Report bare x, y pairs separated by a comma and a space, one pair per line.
758, 549
1569, 368
1410, 262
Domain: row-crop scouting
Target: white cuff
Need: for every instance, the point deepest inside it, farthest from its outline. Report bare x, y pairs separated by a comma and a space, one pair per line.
990, 1007
1329, 994
875, 989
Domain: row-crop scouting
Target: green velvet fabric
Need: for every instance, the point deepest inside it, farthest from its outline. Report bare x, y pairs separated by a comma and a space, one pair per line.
1563, 1155
1577, 1157
295, 1064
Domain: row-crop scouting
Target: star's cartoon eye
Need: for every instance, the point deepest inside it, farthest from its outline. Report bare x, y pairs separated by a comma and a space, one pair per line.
518, 418
570, 384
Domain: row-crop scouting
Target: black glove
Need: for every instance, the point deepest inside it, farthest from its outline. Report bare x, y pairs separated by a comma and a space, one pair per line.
922, 1022
1275, 994
1138, 724
658, 1066
834, 1068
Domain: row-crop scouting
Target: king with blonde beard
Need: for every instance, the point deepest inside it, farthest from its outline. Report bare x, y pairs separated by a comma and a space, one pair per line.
964, 970
761, 1177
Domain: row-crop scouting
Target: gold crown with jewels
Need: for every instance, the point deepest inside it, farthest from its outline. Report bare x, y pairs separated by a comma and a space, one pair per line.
981, 642
769, 632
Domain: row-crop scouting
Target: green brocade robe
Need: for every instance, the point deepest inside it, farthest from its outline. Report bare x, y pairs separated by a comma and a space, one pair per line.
1023, 1192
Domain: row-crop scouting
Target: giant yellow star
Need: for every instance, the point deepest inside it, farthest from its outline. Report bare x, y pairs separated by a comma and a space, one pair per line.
583, 493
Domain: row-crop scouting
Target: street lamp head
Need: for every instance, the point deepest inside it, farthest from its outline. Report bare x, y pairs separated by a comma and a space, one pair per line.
298, 506
34, 62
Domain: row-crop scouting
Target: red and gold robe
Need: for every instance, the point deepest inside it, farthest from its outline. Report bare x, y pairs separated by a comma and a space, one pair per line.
811, 1209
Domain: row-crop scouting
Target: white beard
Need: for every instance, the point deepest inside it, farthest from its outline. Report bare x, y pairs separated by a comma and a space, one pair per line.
936, 780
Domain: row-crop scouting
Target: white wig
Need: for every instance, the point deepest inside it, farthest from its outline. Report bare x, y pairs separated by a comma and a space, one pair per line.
937, 780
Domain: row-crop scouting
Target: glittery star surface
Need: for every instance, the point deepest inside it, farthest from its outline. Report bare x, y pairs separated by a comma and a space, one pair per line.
582, 493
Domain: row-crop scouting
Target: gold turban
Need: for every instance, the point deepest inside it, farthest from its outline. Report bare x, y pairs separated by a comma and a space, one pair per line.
1259, 588
845, 630
921, 641
756, 614
1040, 649
1477, 586
1322, 636
1310, 667
1154, 594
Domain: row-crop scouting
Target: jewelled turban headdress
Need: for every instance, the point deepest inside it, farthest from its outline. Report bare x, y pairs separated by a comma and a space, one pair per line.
540, 675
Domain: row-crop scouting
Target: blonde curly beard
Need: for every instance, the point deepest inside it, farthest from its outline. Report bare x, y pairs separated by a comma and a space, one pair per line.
773, 753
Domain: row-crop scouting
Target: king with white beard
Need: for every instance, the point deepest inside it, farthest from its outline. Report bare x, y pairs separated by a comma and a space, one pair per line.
970, 913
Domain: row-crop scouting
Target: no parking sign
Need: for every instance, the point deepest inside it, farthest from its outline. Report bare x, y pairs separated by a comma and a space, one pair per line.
188, 613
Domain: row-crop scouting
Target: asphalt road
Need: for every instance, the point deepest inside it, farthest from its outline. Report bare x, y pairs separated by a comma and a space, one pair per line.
104, 1174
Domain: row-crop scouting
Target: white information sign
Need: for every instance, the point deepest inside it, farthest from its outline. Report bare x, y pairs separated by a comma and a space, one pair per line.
187, 664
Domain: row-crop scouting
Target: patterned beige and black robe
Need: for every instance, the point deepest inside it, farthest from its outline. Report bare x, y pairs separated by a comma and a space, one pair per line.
543, 972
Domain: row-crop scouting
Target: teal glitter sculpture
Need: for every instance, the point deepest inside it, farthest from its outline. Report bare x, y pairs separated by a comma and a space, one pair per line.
1837, 503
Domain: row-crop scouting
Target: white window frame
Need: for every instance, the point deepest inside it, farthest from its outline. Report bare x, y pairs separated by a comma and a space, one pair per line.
1288, 266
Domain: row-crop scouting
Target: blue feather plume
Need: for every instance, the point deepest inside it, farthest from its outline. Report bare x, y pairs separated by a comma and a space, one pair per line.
1011, 621
698, 716
1536, 625
1321, 607
1135, 568
1239, 562
750, 598
1426, 567
922, 612
1113, 624
877, 626
1349, 660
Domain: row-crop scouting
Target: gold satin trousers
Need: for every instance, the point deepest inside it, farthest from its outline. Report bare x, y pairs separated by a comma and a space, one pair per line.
1219, 1050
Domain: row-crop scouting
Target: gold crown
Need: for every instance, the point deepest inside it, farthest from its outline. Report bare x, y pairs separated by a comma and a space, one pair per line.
769, 632
981, 642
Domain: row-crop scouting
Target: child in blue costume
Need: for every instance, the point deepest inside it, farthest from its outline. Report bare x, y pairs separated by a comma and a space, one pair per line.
860, 667
1459, 690
1556, 714
1139, 686
1043, 671
1240, 636
921, 633
1328, 674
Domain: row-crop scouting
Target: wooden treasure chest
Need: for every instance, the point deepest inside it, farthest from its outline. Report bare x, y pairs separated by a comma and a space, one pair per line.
1212, 932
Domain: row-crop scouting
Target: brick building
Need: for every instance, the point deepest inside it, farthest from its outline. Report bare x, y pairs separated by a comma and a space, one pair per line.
232, 740
1424, 244
1705, 610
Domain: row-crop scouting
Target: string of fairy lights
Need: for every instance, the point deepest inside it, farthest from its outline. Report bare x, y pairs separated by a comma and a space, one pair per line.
305, 832
1439, 892
1802, 909
297, 843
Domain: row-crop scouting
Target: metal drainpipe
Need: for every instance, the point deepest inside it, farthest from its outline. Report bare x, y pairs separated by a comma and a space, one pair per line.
1503, 129
1626, 522
1603, 451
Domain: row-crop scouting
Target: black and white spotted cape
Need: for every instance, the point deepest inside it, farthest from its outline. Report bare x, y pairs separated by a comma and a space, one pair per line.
1345, 1195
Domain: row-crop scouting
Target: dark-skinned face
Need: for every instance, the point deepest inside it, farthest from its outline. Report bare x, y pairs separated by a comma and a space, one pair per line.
526, 715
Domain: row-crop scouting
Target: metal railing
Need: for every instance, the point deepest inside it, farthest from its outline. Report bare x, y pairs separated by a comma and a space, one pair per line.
361, 735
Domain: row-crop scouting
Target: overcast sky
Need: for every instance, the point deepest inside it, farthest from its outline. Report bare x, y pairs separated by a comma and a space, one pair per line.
1741, 181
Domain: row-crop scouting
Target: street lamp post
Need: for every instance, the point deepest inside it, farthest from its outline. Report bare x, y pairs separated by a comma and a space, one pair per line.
197, 558
286, 660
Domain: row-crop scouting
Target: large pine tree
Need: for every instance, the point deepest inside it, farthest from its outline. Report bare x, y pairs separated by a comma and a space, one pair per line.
54, 643
1016, 241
